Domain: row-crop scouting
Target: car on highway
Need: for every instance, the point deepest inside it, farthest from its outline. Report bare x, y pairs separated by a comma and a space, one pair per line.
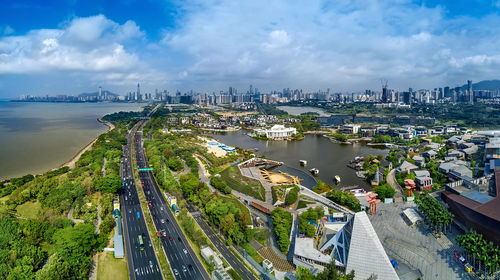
185, 251
162, 221
179, 238
190, 267
170, 238
151, 264
184, 268
176, 272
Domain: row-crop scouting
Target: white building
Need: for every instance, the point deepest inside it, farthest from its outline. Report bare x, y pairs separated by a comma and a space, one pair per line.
210, 257
277, 132
357, 247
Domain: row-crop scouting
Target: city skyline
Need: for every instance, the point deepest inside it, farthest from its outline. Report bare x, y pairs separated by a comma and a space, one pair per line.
347, 47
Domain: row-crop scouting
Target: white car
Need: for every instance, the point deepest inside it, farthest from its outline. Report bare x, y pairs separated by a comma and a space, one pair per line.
185, 251
176, 272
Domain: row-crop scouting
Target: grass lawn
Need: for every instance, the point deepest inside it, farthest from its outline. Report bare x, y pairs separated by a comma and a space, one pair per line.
303, 204
234, 274
261, 235
29, 209
2, 201
252, 252
238, 204
232, 176
109, 268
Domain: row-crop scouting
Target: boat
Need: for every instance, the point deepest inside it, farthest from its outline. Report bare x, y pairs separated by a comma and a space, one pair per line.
358, 192
303, 162
337, 179
314, 171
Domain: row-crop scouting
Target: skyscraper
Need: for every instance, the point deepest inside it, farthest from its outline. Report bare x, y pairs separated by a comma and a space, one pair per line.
100, 93
138, 89
470, 92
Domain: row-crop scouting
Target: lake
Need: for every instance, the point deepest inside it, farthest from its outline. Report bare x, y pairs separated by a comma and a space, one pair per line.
296, 111
37, 137
320, 152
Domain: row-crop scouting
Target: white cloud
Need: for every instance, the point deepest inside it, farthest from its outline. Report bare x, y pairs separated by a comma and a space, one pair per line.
6, 30
91, 44
345, 45
342, 45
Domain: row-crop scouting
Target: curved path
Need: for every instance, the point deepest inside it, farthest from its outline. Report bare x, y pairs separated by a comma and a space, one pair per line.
391, 180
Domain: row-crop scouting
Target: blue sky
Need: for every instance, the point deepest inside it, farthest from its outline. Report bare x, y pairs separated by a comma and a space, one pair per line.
72, 46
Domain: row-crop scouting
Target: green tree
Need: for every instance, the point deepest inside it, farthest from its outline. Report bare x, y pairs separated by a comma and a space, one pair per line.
292, 196
385, 191
110, 183
304, 273
74, 245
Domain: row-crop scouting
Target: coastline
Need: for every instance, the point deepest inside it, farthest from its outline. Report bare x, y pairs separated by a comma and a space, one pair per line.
71, 163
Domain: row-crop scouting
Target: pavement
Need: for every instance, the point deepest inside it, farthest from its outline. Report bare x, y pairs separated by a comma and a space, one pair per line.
391, 180
416, 247
233, 261
142, 264
182, 258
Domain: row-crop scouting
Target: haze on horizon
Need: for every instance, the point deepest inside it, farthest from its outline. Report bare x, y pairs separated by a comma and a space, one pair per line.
69, 47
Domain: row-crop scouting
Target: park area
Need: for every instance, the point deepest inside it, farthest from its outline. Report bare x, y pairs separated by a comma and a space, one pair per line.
235, 180
109, 268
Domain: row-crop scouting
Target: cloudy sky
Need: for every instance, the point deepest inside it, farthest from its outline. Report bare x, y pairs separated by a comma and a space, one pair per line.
73, 46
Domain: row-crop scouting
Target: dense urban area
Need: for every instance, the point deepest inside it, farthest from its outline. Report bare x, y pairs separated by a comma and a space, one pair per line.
158, 197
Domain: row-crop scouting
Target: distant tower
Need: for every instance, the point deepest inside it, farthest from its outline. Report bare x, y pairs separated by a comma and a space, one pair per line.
471, 93
138, 89
385, 92
100, 93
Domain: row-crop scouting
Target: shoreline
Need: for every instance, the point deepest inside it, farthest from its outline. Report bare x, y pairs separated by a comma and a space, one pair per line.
71, 163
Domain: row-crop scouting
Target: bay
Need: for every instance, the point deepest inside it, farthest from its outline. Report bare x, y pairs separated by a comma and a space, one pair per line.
37, 137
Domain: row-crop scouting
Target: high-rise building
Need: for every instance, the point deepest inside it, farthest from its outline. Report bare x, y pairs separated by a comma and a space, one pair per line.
385, 97
447, 92
100, 93
138, 89
470, 92
406, 97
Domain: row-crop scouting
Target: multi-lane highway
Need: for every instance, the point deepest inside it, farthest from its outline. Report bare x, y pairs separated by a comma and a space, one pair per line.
223, 249
141, 259
181, 256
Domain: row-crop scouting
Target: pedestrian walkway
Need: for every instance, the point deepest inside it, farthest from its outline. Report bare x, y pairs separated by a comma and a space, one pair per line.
416, 246
391, 180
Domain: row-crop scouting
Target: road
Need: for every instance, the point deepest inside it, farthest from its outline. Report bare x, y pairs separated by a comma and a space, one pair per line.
181, 256
233, 261
391, 180
142, 264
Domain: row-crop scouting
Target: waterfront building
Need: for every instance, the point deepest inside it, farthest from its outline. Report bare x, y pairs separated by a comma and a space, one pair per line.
277, 132
350, 129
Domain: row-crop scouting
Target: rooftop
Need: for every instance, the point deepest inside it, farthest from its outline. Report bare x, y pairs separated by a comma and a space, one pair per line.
305, 247
366, 254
